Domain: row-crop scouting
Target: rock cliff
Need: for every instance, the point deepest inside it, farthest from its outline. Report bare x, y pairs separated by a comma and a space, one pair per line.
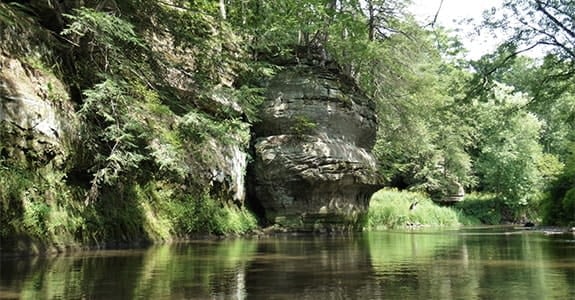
312, 168
149, 141
114, 147
37, 120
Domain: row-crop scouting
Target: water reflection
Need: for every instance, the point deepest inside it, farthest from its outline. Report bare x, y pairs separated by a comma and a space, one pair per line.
319, 267
470, 264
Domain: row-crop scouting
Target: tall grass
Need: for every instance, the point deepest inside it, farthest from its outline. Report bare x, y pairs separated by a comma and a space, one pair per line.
38, 205
204, 215
159, 211
390, 208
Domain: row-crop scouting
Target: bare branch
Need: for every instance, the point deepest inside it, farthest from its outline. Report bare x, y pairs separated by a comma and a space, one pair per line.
436, 14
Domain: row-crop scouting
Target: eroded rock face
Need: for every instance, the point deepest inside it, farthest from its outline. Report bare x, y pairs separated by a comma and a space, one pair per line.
36, 116
312, 168
225, 170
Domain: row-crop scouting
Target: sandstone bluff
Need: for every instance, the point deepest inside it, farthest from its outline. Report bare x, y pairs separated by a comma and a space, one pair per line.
313, 169
312, 166
308, 168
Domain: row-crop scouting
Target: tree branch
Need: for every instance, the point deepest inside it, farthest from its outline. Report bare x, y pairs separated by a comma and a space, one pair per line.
484, 77
553, 19
436, 14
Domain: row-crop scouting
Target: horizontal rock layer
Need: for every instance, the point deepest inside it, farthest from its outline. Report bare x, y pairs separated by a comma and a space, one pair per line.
312, 168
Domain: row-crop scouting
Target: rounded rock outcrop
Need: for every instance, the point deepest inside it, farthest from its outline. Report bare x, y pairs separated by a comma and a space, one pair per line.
312, 168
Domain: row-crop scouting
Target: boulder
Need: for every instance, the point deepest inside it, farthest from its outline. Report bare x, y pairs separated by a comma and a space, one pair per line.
312, 168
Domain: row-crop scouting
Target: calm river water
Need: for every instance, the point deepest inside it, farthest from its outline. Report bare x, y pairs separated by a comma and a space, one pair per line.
481, 263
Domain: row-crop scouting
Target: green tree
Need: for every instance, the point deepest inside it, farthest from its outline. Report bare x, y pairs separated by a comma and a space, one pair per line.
546, 26
510, 160
507, 164
425, 132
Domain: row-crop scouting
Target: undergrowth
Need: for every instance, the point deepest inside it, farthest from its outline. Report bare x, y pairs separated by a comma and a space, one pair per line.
390, 208
483, 207
39, 205
491, 210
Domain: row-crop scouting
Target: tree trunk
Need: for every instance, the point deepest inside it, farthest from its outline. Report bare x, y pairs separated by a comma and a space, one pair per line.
371, 21
223, 9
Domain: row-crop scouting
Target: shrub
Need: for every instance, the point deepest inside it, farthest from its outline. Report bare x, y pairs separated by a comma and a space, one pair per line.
205, 215
492, 210
483, 207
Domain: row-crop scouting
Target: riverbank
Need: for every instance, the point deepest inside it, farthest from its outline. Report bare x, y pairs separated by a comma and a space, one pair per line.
164, 222
392, 208
25, 247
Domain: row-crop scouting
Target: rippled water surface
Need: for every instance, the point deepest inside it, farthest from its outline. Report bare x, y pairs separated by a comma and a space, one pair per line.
480, 263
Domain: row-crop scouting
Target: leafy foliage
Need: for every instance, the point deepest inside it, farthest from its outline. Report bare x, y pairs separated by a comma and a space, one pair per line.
484, 207
188, 216
559, 206
510, 150
303, 126
135, 129
547, 27
37, 203
154, 86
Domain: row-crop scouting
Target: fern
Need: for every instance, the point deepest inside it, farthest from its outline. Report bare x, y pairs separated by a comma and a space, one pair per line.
117, 133
104, 28
113, 45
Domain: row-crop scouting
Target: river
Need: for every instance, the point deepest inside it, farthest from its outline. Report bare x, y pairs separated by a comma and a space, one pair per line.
469, 263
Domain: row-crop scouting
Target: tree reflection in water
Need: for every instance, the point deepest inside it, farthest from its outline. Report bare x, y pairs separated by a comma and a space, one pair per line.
463, 264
